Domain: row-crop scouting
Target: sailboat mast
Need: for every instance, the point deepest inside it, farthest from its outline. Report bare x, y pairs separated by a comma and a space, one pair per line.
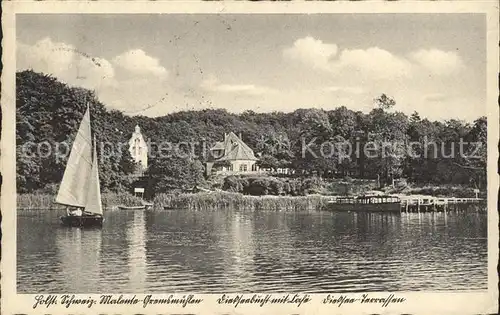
94, 204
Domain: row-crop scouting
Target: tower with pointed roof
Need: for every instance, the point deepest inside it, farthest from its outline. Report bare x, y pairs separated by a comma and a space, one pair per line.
138, 148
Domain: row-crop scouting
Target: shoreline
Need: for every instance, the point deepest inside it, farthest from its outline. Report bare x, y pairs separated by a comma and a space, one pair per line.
195, 201
200, 201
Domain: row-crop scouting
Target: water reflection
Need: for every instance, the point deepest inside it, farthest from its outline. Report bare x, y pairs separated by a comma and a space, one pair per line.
242, 245
79, 253
231, 251
136, 235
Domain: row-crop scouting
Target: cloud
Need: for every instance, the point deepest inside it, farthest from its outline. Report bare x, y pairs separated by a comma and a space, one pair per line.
212, 84
138, 62
345, 89
373, 61
435, 97
311, 52
438, 61
128, 90
66, 63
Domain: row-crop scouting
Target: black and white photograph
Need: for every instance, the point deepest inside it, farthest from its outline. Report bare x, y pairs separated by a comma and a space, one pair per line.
241, 153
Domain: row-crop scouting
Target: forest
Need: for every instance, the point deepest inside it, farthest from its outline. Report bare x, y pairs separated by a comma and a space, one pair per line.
49, 111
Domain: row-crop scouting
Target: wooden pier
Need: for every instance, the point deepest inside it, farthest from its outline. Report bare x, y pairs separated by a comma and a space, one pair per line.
415, 204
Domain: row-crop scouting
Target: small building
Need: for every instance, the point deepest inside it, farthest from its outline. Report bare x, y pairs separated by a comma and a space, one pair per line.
138, 149
231, 156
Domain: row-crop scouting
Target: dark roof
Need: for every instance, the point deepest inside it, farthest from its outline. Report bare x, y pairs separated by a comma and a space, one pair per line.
218, 146
234, 149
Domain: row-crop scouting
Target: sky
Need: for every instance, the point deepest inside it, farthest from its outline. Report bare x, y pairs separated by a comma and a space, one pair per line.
155, 64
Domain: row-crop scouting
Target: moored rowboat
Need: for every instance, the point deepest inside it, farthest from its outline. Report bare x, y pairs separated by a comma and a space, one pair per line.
132, 207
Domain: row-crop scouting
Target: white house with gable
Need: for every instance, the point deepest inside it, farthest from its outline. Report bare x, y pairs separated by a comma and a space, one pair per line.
231, 155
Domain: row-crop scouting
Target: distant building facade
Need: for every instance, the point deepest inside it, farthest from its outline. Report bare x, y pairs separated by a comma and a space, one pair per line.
138, 149
231, 155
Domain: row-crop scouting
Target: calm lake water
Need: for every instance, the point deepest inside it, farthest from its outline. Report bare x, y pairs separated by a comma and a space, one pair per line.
213, 252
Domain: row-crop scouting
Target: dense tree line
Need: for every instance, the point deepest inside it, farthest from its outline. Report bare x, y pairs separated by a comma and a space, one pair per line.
328, 144
48, 115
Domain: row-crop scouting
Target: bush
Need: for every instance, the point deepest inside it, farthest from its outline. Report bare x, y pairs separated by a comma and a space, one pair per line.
311, 186
353, 187
348, 179
234, 184
268, 185
258, 187
401, 184
276, 187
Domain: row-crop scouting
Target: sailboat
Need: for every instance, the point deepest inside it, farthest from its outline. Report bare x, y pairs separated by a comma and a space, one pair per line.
80, 187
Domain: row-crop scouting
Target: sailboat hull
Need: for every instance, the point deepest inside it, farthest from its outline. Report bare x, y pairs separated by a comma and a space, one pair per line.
86, 220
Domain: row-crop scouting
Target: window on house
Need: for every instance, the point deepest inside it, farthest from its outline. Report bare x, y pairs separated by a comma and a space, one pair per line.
243, 168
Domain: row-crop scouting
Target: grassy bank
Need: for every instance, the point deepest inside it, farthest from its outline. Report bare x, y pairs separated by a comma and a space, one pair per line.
237, 201
46, 201
438, 191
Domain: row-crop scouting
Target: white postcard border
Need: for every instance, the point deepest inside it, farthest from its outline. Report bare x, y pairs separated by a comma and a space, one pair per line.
417, 302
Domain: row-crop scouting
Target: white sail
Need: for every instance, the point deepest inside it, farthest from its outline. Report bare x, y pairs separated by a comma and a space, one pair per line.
93, 204
75, 183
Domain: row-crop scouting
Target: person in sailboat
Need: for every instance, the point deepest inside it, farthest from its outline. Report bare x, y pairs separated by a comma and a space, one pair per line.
74, 211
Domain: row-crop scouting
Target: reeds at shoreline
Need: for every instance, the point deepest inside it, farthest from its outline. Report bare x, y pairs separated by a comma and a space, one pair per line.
40, 201
237, 201
198, 202
37, 201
